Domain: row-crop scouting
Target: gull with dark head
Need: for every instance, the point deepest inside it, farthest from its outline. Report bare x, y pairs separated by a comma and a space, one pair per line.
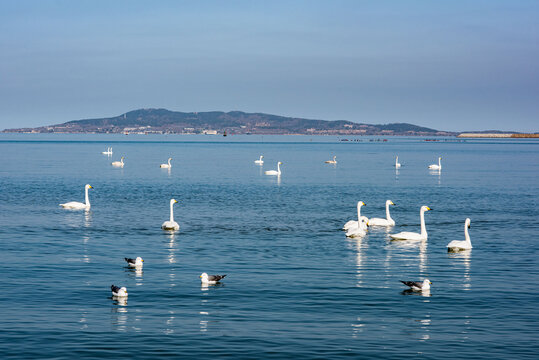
118, 291
136, 263
210, 279
418, 285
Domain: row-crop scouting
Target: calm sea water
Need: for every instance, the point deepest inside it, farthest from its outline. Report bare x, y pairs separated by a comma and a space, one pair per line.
296, 286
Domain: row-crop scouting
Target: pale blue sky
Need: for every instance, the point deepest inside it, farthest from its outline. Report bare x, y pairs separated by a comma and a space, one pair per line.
453, 65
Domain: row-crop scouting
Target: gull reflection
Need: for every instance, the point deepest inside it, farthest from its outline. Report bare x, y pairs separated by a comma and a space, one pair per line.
83, 321
121, 301
120, 319
357, 327
170, 323
425, 293
425, 324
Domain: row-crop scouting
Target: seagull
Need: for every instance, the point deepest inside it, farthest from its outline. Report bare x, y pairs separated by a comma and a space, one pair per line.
118, 291
418, 285
210, 279
138, 262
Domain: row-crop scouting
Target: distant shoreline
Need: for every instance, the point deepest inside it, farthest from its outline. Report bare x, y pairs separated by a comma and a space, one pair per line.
496, 135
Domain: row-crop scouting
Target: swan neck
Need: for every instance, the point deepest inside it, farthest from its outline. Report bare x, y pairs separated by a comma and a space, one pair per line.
171, 211
466, 235
168, 162
423, 227
86, 197
358, 213
278, 168
388, 217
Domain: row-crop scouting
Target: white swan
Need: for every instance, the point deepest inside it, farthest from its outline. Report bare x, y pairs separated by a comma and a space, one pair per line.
108, 152
259, 161
171, 224
388, 221
118, 163
457, 245
166, 166
406, 235
78, 205
397, 163
436, 167
275, 172
355, 223
358, 231
332, 161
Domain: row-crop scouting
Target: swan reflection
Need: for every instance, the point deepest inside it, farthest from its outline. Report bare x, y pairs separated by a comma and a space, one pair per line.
423, 257
87, 218
437, 173
463, 257
85, 257
171, 258
359, 247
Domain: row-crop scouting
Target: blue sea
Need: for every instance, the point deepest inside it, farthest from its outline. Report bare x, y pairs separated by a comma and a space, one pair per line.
296, 287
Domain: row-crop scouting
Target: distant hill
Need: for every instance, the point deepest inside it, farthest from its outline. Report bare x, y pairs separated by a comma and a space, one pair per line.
164, 121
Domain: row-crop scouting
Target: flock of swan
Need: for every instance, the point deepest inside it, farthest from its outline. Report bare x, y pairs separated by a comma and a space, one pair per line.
359, 227
353, 228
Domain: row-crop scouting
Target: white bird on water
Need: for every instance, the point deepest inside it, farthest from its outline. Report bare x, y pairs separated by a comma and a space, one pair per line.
171, 224
210, 279
108, 152
275, 172
355, 223
458, 245
136, 263
75, 205
358, 231
334, 161
388, 221
166, 166
418, 285
260, 161
437, 167
397, 163
118, 163
406, 235
118, 291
